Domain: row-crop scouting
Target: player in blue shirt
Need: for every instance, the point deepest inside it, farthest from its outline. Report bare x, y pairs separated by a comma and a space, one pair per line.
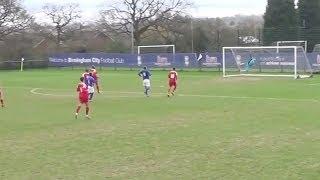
145, 74
90, 82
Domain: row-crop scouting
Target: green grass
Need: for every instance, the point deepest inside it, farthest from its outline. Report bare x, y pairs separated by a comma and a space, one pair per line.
237, 128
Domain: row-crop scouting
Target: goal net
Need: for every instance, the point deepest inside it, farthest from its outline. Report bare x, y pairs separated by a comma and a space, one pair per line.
277, 61
156, 55
303, 44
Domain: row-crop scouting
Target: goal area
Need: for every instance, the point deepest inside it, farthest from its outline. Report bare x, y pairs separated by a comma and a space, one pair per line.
266, 61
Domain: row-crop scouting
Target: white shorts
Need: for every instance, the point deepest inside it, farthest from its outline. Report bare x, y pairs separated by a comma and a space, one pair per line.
146, 83
91, 89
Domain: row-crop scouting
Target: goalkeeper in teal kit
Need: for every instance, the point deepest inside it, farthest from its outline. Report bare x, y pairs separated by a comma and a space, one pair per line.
250, 63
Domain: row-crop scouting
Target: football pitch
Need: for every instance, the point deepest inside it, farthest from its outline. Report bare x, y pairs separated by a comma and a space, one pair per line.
213, 128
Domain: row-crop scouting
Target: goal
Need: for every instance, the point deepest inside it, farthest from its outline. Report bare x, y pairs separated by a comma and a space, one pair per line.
294, 43
156, 55
276, 61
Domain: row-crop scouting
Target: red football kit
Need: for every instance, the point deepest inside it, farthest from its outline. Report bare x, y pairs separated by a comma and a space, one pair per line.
173, 77
83, 93
94, 74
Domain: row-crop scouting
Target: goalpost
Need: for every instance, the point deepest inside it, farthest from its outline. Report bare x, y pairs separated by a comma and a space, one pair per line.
159, 50
158, 46
294, 43
268, 61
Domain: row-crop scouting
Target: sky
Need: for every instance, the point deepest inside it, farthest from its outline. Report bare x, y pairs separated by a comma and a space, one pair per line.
203, 8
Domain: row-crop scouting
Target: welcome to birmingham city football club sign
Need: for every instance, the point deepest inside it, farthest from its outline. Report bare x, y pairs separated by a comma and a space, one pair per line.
129, 60
167, 60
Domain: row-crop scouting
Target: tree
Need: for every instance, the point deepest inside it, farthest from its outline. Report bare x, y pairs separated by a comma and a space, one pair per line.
280, 21
173, 30
309, 14
140, 16
13, 18
201, 41
309, 20
61, 16
248, 30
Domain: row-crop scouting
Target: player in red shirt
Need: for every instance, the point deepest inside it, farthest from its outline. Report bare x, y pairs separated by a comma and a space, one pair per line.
173, 78
95, 76
83, 97
1, 98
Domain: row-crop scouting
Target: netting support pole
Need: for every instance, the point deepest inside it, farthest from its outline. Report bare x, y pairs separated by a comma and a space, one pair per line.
224, 61
295, 63
174, 53
21, 64
306, 47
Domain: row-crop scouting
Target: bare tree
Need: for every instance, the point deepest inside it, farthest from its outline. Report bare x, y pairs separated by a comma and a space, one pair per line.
13, 18
61, 16
140, 15
172, 29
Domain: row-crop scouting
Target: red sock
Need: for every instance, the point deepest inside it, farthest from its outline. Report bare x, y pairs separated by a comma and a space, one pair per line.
87, 110
78, 109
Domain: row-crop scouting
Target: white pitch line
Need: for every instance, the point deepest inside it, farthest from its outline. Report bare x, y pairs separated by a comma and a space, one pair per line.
315, 84
118, 92
18, 87
34, 91
248, 97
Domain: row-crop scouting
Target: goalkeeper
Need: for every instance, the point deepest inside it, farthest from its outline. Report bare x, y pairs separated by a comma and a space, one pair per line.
250, 63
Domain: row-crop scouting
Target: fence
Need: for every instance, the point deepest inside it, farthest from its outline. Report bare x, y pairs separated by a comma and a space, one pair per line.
28, 64
211, 61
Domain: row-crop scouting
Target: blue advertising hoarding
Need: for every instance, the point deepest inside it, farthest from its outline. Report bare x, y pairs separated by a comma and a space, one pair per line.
161, 60
125, 60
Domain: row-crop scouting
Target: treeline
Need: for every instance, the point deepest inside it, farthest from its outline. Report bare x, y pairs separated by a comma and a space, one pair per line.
147, 22
284, 20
